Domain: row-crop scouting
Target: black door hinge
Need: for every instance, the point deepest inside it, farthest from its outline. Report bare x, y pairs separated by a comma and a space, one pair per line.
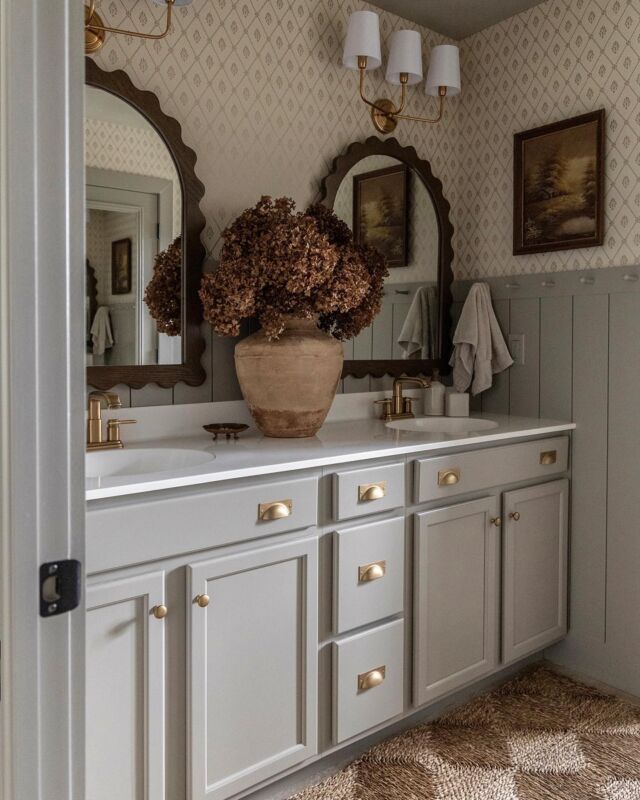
60, 583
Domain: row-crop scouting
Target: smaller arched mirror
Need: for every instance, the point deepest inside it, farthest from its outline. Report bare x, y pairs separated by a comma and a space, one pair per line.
143, 248
391, 201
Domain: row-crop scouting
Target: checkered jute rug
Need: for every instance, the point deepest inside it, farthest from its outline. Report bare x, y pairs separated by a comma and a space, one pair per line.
542, 736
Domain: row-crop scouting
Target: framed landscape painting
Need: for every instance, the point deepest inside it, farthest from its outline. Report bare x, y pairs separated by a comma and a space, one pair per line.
121, 266
559, 185
381, 214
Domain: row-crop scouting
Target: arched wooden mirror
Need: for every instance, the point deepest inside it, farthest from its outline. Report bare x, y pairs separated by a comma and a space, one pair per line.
391, 200
142, 195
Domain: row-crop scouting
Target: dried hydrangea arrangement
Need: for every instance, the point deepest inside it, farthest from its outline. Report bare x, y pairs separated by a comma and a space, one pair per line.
164, 291
277, 262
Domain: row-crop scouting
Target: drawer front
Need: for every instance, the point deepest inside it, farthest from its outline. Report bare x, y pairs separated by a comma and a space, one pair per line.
367, 491
368, 679
368, 573
447, 476
159, 527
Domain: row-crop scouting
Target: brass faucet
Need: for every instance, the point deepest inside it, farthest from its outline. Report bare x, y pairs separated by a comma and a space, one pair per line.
95, 440
397, 406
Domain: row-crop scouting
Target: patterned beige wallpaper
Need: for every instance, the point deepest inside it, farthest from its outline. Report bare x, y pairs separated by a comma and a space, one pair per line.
559, 59
259, 89
123, 148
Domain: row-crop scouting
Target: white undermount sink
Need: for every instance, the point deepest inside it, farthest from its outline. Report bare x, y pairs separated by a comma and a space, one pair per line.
443, 425
141, 461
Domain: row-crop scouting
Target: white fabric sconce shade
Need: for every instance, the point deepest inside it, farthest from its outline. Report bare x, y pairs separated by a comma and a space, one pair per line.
405, 55
363, 39
444, 70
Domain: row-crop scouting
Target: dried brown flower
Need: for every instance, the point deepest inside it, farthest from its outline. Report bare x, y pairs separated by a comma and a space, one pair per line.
164, 290
277, 262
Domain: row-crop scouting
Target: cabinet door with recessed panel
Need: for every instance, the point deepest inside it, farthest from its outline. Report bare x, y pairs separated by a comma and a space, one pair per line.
125, 688
456, 596
535, 555
253, 666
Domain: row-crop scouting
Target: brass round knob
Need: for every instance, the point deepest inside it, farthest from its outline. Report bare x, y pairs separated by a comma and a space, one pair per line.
160, 612
515, 515
202, 600
497, 521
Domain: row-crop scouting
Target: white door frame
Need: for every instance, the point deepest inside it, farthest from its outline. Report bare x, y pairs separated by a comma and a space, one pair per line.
41, 392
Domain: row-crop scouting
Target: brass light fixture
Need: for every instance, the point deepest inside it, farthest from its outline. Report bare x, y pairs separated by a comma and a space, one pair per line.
95, 30
362, 52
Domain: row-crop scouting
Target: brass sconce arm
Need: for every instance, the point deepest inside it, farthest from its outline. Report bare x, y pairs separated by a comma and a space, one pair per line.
94, 23
442, 91
385, 114
387, 108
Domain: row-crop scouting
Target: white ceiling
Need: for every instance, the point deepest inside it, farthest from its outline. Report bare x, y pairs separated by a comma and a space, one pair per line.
456, 18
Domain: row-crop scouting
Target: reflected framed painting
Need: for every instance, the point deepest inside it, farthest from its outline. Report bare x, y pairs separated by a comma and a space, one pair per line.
121, 266
558, 185
381, 212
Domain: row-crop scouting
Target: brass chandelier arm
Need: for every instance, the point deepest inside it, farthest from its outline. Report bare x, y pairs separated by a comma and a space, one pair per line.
94, 27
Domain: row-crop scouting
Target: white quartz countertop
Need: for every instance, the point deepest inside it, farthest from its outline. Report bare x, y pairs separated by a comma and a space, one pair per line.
336, 443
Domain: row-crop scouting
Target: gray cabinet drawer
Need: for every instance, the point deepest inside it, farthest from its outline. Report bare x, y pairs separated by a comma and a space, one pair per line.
368, 573
447, 476
367, 491
368, 678
155, 528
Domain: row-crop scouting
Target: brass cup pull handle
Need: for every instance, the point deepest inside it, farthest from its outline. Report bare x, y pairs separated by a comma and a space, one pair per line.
278, 509
202, 600
548, 457
160, 611
372, 572
372, 491
514, 515
372, 678
448, 477
497, 521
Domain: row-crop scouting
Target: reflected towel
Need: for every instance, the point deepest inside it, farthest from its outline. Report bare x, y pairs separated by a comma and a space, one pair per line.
101, 333
479, 347
418, 335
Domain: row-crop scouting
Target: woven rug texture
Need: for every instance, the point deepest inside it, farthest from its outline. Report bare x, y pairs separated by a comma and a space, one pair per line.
541, 736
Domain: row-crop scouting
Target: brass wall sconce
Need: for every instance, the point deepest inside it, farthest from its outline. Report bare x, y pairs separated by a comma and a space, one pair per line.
95, 30
362, 52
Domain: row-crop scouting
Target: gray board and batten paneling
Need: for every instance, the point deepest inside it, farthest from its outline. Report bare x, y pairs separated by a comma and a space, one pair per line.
582, 362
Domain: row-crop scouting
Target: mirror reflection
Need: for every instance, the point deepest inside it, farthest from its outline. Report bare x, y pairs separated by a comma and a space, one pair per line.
133, 214
387, 206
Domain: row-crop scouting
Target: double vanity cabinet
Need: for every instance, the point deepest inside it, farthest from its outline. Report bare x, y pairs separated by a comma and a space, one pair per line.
241, 628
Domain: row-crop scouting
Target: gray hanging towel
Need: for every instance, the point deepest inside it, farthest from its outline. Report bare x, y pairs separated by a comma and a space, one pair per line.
479, 347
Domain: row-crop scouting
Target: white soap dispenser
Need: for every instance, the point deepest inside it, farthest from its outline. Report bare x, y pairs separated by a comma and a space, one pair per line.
434, 397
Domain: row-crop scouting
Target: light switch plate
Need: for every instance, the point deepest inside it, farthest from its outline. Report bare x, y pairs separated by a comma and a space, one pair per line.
516, 348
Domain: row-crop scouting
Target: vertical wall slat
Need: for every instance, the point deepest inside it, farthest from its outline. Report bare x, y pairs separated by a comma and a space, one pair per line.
362, 345
589, 470
496, 399
556, 343
524, 382
151, 395
381, 343
199, 394
623, 523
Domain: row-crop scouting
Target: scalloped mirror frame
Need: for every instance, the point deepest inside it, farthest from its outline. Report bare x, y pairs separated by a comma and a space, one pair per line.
374, 146
190, 371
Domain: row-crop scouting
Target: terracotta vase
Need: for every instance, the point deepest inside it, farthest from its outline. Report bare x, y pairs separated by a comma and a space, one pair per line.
289, 383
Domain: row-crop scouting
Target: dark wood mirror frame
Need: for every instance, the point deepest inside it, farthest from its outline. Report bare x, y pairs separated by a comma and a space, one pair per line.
374, 146
190, 371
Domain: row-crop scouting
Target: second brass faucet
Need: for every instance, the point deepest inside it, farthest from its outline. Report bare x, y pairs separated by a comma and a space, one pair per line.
398, 406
